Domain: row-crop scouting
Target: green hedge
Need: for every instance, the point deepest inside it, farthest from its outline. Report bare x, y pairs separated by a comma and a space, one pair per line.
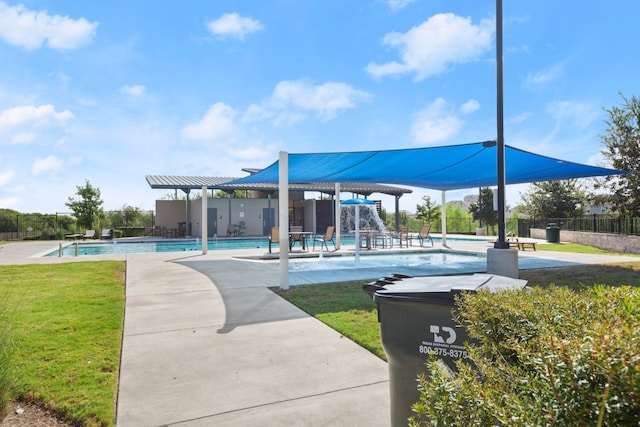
545, 357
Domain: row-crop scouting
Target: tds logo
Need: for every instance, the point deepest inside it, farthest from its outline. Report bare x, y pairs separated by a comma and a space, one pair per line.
435, 330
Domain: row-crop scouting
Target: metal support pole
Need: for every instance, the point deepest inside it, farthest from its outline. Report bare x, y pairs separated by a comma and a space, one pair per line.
501, 243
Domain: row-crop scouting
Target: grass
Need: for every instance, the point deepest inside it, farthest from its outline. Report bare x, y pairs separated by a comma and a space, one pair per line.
576, 248
346, 308
66, 325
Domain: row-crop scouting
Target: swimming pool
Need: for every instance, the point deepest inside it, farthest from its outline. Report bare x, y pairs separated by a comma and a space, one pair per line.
121, 247
411, 259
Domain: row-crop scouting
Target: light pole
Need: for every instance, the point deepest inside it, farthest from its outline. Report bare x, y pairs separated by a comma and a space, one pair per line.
501, 243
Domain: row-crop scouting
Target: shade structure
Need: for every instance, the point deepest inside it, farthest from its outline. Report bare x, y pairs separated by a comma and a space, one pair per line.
444, 168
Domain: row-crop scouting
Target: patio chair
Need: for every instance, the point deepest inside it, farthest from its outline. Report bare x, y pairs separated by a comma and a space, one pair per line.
107, 233
293, 237
89, 234
384, 239
328, 237
424, 234
275, 236
242, 228
403, 236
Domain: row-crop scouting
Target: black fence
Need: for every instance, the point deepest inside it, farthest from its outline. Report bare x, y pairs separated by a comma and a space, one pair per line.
593, 224
58, 225
466, 225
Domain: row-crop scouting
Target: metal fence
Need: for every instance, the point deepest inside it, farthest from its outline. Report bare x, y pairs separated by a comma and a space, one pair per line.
58, 225
593, 224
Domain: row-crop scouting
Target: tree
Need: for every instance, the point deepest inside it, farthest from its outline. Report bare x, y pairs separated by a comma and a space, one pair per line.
88, 207
428, 211
622, 149
554, 199
482, 210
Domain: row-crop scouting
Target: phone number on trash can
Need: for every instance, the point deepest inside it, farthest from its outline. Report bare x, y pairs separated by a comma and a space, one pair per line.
447, 352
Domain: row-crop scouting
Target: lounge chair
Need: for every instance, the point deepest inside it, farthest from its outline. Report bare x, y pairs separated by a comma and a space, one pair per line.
275, 236
328, 237
89, 234
107, 233
424, 234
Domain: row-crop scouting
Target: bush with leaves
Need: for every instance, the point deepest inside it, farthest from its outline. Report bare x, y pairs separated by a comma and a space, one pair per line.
544, 357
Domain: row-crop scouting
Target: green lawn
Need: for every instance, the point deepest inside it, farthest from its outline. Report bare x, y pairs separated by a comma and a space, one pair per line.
576, 248
66, 325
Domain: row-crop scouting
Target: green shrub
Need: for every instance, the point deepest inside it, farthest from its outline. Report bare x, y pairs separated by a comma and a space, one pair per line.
544, 357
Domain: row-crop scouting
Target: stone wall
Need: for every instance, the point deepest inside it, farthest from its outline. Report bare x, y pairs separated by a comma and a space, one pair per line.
610, 242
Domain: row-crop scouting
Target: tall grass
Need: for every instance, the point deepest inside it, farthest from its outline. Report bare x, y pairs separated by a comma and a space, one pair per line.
6, 354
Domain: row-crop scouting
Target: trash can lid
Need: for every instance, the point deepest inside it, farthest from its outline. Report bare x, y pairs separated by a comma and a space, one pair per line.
447, 286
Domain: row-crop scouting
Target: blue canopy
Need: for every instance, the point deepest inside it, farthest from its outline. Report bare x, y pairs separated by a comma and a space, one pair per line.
442, 168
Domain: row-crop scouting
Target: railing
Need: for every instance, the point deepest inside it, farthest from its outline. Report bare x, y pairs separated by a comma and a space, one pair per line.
593, 224
56, 226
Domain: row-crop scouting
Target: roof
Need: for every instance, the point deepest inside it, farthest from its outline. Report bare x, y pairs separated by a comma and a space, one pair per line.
442, 168
186, 183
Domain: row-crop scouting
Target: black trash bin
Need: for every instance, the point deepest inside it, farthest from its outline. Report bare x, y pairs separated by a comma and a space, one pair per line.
415, 319
553, 233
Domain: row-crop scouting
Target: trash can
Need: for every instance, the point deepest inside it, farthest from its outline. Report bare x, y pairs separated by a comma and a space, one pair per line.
553, 233
415, 316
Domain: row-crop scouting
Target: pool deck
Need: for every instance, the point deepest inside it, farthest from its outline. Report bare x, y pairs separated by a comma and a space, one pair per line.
207, 343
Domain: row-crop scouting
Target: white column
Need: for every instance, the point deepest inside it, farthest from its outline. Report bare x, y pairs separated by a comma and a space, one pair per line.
444, 218
283, 208
204, 234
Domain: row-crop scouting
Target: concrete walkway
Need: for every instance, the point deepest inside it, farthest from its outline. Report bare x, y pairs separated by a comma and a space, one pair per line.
207, 343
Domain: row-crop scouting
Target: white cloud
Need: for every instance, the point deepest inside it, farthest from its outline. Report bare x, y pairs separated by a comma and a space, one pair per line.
396, 5
30, 115
217, 125
436, 123
133, 90
11, 203
232, 25
48, 165
291, 101
6, 177
544, 77
519, 118
431, 47
17, 124
30, 30
470, 106
573, 114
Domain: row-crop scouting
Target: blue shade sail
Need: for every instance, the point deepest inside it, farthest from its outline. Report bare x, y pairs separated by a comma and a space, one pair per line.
442, 168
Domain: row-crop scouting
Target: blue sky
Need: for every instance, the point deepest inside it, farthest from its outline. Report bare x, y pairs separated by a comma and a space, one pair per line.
112, 91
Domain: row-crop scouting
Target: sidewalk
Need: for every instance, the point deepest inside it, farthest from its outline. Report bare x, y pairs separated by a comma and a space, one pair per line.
206, 343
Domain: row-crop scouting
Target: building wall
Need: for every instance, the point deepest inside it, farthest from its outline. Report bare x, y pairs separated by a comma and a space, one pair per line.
229, 211
169, 213
610, 242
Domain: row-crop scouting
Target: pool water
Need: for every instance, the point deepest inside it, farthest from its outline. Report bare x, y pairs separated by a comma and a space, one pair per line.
120, 247
375, 261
